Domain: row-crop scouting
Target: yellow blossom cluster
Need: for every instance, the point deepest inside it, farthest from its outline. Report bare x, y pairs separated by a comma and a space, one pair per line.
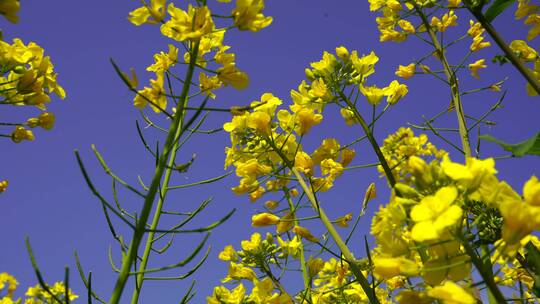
28, 79
257, 253
34, 295
196, 26
420, 232
398, 147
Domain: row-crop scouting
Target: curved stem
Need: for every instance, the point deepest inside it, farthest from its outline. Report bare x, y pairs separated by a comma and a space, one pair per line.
452, 80
168, 149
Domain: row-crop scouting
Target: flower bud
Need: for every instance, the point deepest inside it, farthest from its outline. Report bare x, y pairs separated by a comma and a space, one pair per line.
305, 233
264, 219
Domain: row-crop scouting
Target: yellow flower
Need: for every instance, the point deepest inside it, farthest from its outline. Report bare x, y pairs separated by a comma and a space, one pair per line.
192, 25
44, 120
373, 94
9, 9
303, 163
264, 219
348, 115
231, 75
248, 15
262, 292
290, 248
163, 61
271, 205
314, 265
475, 29
434, 214
331, 167
285, 224
209, 84
305, 119
454, 266
228, 254
395, 91
259, 121
151, 14
342, 53
451, 293
521, 218
252, 168
268, 104
523, 51
406, 26
364, 66
525, 9
413, 297
471, 174
320, 92
533, 20
155, 95
387, 268
324, 67
222, 295
406, 72
253, 243
531, 191
454, 3
239, 272
20, 134
305, 233
475, 66
343, 221
347, 155
3, 186
329, 148
447, 20
479, 43
9, 280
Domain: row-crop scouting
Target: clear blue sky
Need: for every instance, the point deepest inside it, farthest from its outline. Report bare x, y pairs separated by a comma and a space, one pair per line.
48, 200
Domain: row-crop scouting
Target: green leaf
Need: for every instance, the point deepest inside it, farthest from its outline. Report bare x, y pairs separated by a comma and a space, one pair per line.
530, 146
497, 8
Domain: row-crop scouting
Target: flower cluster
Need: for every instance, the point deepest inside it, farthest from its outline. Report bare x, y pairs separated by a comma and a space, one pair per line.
34, 295
195, 26
28, 79
434, 212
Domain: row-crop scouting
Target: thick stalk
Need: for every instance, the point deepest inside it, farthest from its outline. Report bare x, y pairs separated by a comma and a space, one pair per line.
347, 254
518, 64
372, 140
452, 80
140, 228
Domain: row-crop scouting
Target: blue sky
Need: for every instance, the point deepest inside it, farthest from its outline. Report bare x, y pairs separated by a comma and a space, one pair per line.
48, 201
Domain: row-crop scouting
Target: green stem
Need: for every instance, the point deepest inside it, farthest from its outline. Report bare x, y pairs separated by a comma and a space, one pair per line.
485, 273
158, 211
347, 254
518, 64
489, 268
371, 138
305, 274
452, 80
168, 150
